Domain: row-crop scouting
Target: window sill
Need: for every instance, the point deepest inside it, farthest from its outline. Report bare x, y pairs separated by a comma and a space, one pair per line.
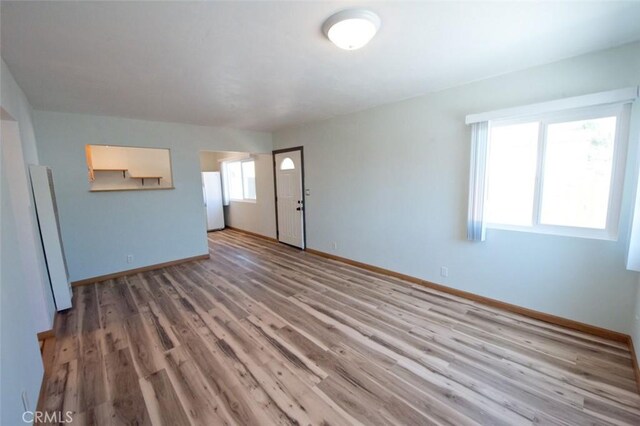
243, 201
585, 233
152, 188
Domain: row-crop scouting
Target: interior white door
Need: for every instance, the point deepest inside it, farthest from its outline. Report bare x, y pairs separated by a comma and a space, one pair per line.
47, 214
289, 199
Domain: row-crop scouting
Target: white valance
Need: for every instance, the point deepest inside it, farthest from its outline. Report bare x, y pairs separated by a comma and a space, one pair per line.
239, 157
617, 96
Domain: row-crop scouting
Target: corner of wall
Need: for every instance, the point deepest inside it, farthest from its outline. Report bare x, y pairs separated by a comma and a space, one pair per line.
24, 152
635, 325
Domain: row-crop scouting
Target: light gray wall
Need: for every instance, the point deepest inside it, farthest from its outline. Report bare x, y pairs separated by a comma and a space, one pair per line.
15, 103
20, 362
21, 151
23, 308
100, 229
389, 185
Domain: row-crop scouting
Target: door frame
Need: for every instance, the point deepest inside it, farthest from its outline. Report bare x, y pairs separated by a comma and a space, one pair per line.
275, 194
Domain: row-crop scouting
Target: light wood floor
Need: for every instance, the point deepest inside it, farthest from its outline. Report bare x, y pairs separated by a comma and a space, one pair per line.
265, 334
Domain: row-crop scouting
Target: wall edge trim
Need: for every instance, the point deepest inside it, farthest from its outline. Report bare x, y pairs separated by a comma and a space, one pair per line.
541, 316
44, 335
92, 280
634, 361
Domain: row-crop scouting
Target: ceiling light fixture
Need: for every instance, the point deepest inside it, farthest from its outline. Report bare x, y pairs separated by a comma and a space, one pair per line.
351, 29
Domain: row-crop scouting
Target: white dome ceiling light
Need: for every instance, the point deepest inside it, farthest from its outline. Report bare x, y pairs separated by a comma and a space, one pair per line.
351, 29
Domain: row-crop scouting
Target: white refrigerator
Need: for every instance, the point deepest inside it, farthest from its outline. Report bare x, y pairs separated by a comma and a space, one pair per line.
212, 190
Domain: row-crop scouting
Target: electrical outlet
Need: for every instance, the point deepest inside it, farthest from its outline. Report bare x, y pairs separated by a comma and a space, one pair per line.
444, 271
334, 245
129, 258
25, 401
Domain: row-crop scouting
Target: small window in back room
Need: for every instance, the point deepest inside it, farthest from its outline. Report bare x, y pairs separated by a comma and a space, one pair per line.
240, 179
287, 164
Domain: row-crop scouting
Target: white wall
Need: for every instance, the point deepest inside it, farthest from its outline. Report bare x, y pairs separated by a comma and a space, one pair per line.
25, 308
100, 229
389, 185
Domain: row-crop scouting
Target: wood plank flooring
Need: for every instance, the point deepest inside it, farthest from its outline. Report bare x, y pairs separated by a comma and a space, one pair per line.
264, 334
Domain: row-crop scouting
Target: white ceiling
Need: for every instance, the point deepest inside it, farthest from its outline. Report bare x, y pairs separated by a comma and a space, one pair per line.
266, 65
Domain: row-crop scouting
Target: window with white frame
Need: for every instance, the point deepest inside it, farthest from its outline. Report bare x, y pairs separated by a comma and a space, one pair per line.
241, 180
557, 173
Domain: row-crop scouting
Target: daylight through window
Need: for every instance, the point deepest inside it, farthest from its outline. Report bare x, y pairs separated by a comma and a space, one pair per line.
557, 173
241, 180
